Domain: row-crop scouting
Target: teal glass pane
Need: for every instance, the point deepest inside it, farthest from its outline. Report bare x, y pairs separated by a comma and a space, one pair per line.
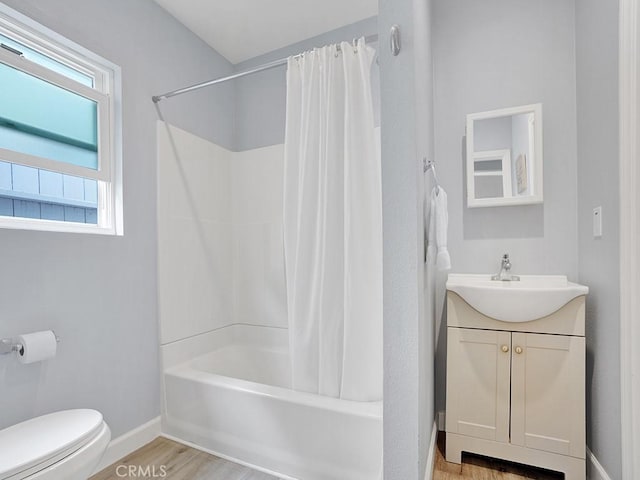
48, 62
39, 118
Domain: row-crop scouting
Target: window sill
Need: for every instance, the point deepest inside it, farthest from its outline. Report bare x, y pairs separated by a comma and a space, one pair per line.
17, 223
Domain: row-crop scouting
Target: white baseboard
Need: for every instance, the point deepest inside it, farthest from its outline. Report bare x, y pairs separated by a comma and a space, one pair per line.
595, 471
433, 444
122, 446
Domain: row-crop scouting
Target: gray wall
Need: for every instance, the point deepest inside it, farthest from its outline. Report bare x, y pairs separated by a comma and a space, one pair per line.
99, 292
261, 98
494, 54
598, 185
406, 122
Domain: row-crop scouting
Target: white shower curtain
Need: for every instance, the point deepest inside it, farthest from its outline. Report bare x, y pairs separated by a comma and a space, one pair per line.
333, 224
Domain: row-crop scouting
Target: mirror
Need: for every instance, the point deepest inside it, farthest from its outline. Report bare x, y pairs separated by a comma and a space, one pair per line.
504, 157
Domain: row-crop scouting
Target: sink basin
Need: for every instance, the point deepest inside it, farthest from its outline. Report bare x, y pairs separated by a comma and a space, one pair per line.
531, 298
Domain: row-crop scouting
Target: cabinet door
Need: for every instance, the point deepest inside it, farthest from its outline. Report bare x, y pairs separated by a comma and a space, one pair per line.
478, 364
548, 393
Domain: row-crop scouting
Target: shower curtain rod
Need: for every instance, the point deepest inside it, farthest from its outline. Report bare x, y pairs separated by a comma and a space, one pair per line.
261, 68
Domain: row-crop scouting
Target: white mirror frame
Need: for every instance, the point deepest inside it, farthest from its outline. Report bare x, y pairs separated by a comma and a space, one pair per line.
537, 196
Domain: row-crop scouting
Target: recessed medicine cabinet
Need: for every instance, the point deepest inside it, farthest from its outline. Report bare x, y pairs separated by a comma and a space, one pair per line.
504, 157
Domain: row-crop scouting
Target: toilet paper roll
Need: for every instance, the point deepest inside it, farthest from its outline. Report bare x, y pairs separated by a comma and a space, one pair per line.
37, 346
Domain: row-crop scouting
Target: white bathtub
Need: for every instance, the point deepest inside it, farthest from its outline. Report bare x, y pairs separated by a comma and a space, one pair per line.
236, 401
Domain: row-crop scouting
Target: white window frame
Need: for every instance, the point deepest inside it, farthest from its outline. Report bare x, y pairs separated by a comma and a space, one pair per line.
106, 93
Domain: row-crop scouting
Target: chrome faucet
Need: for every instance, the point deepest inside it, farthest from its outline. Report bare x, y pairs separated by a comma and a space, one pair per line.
505, 271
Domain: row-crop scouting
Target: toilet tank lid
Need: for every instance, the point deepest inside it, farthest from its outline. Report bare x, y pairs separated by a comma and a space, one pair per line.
39, 440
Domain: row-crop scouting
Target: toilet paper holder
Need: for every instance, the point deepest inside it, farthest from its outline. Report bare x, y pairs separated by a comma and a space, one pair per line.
7, 345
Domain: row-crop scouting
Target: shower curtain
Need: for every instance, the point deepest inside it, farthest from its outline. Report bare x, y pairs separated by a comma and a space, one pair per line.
333, 224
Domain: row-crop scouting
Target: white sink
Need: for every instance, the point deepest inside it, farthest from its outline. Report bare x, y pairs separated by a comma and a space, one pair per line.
531, 298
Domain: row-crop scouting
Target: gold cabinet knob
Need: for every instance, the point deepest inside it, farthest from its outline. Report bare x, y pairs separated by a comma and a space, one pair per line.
518, 350
505, 348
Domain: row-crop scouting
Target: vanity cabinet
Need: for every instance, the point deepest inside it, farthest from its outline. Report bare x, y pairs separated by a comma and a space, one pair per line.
517, 390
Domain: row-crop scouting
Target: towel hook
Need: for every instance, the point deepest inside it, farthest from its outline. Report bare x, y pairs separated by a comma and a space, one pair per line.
431, 165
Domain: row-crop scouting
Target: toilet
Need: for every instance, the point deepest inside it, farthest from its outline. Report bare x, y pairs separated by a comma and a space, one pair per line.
64, 445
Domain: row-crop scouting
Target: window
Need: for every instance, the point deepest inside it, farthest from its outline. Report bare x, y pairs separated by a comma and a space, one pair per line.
60, 157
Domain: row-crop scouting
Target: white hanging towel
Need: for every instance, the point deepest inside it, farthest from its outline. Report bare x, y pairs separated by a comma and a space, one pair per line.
438, 222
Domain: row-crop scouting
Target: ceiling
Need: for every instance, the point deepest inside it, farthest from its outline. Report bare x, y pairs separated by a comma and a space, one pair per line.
243, 29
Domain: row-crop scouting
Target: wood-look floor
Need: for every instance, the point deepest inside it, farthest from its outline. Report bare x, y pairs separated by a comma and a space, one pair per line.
482, 468
180, 463
184, 463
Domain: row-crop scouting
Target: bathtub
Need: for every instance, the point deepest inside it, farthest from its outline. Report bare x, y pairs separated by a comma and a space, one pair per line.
236, 401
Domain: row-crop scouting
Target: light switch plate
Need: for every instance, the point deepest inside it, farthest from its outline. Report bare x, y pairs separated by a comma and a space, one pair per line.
597, 222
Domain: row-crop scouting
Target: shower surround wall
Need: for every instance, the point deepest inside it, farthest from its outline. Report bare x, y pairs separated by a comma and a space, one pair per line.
259, 290
220, 254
